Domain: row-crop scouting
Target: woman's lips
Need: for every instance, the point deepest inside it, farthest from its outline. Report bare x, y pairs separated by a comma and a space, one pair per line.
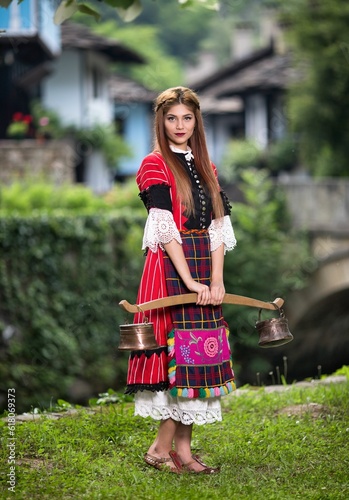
179, 135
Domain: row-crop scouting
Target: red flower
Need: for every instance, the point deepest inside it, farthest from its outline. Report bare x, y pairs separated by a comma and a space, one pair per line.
17, 117
27, 119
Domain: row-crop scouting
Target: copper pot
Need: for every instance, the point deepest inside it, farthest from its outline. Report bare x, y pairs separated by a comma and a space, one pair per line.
273, 332
137, 336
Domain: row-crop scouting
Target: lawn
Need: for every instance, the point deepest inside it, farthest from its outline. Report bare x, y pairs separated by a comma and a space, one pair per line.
289, 444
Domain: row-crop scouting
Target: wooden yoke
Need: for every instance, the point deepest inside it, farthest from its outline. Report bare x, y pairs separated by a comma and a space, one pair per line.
188, 298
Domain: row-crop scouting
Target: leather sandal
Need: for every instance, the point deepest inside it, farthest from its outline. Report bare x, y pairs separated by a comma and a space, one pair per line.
199, 461
159, 463
206, 470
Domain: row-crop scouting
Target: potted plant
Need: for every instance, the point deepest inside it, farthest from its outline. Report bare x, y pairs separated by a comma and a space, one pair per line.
19, 126
46, 122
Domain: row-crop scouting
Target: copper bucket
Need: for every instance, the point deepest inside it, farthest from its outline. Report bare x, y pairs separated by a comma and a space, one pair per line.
273, 332
137, 336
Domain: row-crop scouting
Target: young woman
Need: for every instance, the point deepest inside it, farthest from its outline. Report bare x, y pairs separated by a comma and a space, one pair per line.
186, 236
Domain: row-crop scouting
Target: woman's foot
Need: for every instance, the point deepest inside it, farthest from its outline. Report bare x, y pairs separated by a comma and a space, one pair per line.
171, 463
197, 466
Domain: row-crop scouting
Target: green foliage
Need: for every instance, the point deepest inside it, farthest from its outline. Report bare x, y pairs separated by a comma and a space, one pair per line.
239, 155
128, 10
24, 198
319, 100
161, 70
45, 121
180, 30
100, 137
282, 155
269, 262
284, 445
61, 278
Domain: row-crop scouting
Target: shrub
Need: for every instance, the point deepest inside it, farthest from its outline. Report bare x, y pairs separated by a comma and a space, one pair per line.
61, 278
240, 155
25, 197
267, 263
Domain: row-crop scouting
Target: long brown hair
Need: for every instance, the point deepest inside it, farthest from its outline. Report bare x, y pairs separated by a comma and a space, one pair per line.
197, 142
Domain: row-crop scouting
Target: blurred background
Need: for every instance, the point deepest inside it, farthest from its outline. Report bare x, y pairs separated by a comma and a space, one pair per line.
77, 85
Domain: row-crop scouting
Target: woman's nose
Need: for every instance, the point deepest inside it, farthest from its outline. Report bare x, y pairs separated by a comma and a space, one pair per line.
179, 124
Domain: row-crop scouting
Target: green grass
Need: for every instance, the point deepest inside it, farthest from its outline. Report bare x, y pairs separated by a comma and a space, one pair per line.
266, 447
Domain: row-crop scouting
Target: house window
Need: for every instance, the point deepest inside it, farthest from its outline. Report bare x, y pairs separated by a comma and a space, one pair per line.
120, 125
96, 83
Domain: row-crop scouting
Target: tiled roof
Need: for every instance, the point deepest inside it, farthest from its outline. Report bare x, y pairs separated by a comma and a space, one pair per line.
263, 70
78, 36
124, 89
232, 68
210, 104
272, 73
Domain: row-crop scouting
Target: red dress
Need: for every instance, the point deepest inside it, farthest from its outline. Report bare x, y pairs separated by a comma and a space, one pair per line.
149, 370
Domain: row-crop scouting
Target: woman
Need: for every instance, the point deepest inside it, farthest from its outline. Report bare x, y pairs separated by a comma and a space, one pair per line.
186, 236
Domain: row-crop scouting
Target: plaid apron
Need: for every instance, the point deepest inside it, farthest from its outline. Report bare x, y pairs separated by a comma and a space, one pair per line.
199, 358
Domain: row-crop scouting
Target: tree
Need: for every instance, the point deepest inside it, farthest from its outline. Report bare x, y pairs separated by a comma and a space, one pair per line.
161, 70
319, 103
270, 261
128, 10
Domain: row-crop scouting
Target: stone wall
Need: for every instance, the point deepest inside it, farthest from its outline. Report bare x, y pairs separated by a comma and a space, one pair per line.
28, 159
318, 204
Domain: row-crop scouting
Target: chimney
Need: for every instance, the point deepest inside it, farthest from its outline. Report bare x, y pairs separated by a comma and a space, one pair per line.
271, 30
242, 40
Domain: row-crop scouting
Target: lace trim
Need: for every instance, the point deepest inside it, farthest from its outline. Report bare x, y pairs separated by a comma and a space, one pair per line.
160, 229
221, 231
186, 417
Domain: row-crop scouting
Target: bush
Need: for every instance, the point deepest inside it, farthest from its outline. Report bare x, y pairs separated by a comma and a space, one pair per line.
61, 278
22, 198
282, 155
267, 263
240, 154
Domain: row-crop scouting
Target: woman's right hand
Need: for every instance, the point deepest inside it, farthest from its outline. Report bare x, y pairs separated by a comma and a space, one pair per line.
203, 291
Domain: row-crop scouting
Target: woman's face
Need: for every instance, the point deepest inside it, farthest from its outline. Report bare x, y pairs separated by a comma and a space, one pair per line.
179, 122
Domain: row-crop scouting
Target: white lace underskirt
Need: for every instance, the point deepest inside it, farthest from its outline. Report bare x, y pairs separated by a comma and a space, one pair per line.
161, 406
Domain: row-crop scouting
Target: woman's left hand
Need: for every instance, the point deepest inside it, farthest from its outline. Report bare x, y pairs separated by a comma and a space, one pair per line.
217, 293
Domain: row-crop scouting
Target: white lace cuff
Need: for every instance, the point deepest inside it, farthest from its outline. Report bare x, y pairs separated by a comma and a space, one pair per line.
160, 229
221, 231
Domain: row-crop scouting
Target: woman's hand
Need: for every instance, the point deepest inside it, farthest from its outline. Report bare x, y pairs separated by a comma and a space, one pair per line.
217, 290
203, 291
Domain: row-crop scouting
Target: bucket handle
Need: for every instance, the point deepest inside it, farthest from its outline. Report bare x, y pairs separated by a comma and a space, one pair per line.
280, 310
145, 318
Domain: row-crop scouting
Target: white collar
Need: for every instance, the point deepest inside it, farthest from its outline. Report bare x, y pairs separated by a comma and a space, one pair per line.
188, 154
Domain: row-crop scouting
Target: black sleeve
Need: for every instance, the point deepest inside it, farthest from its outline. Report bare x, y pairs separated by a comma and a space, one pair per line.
157, 196
226, 203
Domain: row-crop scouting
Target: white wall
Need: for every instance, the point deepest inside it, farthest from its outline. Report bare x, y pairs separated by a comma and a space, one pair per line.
69, 89
64, 90
100, 107
97, 174
256, 117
